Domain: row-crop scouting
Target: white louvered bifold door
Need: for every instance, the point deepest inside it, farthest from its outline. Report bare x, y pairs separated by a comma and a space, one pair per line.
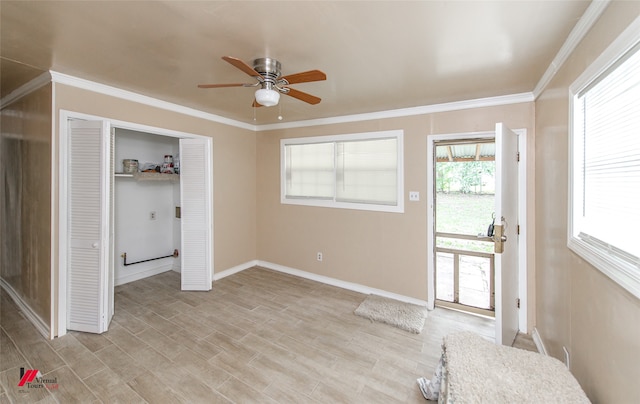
88, 227
196, 213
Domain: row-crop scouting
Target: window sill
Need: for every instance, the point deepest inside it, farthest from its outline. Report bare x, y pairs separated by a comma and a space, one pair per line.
343, 205
622, 273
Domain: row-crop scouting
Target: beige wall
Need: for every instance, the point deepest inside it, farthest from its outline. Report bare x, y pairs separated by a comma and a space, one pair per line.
25, 205
387, 251
577, 306
234, 166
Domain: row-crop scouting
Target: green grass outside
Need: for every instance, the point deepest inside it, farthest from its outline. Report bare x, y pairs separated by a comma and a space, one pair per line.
464, 214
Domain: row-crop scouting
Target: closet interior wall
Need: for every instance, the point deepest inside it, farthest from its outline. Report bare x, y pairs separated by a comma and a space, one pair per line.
145, 223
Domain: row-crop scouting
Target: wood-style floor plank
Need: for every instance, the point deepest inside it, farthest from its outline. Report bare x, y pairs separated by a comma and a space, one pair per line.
258, 336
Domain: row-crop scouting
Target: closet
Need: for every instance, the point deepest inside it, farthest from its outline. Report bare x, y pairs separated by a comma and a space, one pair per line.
148, 216
146, 207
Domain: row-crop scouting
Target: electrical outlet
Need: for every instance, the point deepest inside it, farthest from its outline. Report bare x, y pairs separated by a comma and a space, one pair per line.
414, 196
319, 256
152, 215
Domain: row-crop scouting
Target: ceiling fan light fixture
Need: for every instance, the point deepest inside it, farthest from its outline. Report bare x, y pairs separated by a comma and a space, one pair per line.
267, 97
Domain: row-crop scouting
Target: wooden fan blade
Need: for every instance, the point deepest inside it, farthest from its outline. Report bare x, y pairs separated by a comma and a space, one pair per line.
305, 77
256, 105
221, 85
242, 66
302, 96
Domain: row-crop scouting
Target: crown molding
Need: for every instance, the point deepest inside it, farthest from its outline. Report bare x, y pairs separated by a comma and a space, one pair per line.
28, 87
582, 27
66, 79
398, 113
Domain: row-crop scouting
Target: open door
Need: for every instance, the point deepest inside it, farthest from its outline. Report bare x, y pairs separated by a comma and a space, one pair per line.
506, 235
89, 297
196, 214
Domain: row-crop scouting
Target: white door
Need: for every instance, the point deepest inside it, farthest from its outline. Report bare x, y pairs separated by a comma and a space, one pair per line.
89, 297
506, 208
196, 214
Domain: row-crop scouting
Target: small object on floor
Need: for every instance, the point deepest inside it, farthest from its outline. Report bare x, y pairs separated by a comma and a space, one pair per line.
431, 388
426, 389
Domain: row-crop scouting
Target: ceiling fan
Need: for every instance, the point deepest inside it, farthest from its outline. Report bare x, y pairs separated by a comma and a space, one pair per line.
271, 82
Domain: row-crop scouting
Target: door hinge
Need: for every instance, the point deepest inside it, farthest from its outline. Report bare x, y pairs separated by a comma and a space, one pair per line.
518, 302
518, 229
518, 156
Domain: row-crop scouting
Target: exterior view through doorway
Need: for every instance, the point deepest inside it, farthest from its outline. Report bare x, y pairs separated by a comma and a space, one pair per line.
464, 221
460, 246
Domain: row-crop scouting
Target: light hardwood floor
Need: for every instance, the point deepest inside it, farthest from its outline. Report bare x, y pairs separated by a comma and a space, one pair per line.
258, 336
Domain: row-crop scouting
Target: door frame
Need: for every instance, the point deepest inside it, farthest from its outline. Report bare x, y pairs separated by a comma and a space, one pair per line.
62, 206
522, 215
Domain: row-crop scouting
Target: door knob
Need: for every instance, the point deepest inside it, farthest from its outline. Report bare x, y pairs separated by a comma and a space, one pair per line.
499, 238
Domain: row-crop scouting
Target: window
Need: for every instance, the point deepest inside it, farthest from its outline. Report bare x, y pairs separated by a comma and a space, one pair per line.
357, 171
605, 168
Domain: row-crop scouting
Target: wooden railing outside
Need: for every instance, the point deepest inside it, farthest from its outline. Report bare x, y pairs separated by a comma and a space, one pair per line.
457, 253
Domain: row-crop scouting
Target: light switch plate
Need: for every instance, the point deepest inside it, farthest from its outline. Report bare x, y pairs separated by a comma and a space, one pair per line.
414, 196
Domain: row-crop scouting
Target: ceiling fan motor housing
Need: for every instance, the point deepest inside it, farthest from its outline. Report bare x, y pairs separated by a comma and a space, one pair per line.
268, 68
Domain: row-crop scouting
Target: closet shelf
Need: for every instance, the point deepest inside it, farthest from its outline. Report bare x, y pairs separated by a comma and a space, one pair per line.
150, 176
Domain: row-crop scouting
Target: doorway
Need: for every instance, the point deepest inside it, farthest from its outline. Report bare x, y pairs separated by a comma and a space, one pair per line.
87, 254
464, 220
510, 260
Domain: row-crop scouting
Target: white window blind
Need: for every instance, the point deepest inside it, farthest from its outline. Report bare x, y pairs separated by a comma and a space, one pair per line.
608, 131
606, 171
358, 171
366, 171
310, 170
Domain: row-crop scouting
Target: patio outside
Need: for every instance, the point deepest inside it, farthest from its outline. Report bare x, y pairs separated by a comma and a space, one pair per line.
464, 211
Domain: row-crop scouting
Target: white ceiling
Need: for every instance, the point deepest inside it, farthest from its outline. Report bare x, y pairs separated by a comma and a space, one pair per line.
378, 55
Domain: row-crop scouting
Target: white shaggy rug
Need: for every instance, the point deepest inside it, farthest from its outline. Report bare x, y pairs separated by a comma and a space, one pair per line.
480, 371
406, 316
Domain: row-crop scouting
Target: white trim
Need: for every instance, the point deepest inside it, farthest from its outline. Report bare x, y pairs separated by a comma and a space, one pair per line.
61, 78
523, 244
77, 82
29, 87
143, 99
397, 113
398, 134
622, 273
522, 217
621, 45
537, 339
142, 274
356, 287
318, 278
234, 270
582, 27
26, 310
63, 147
54, 210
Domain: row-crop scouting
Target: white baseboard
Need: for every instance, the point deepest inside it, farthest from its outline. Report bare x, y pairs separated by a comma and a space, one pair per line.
341, 284
234, 270
142, 274
29, 314
537, 339
177, 267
